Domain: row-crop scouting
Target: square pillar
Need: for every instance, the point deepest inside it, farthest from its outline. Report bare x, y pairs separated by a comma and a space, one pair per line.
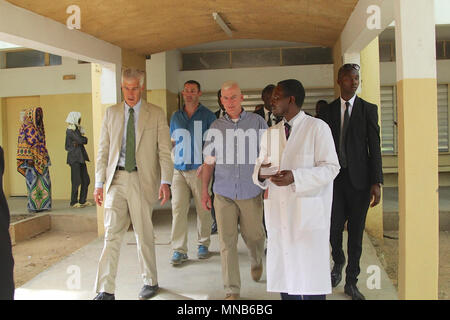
418, 149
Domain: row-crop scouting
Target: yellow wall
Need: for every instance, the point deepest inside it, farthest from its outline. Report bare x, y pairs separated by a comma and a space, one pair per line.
165, 99
418, 195
56, 109
370, 75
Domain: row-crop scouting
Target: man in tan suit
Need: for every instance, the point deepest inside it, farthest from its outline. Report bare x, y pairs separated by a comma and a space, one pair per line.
133, 162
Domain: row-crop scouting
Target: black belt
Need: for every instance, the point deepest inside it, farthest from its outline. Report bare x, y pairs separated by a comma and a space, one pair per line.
123, 168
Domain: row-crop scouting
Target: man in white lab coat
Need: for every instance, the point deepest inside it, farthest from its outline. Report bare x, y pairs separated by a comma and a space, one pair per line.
297, 163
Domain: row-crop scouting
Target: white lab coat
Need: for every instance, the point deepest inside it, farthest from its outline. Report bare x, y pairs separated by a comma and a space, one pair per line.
298, 216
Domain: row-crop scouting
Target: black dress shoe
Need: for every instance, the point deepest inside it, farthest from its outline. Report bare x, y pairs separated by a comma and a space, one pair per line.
336, 274
105, 296
352, 291
148, 291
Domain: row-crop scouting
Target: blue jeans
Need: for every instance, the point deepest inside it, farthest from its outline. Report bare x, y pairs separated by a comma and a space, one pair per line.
285, 296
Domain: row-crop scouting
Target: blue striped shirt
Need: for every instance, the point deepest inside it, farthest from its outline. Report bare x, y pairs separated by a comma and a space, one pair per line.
235, 147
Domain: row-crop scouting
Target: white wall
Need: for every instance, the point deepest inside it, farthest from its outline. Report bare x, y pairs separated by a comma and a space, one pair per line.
388, 72
163, 71
18, 82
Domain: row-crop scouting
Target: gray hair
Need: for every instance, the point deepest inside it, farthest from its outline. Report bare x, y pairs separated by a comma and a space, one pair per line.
131, 73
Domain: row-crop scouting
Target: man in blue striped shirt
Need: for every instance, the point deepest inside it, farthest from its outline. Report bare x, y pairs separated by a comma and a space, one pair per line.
231, 148
187, 127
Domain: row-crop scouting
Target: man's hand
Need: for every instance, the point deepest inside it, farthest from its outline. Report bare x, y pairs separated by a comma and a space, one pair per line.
164, 193
199, 171
283, 178
98, 196
375, 195
206, 201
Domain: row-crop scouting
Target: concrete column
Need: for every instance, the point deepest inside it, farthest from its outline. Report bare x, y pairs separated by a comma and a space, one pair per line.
162, 70
370, 91
337, 63
418, 149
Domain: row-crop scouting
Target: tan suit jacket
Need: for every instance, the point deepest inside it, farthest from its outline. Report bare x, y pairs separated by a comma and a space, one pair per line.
153, 148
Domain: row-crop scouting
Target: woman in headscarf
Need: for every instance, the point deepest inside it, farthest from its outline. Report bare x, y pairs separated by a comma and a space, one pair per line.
33, 160
76, 158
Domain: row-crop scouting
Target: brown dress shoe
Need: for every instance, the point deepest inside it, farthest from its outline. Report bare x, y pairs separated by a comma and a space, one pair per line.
256, 272
232, 296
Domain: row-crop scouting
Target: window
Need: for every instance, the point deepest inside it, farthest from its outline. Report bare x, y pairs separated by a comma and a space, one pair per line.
389, 130
388, 120
443, 117
206, 60
255, 58
250, 58
306, 56
31, 58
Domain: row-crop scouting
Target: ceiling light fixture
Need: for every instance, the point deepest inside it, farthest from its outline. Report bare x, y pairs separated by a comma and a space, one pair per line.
222, 24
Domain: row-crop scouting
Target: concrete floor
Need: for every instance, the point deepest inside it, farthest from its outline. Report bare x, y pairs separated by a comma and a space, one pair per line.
73, 278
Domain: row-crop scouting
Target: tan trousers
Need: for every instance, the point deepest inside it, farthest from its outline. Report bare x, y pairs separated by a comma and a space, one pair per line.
248, 214
184, 184
124, 202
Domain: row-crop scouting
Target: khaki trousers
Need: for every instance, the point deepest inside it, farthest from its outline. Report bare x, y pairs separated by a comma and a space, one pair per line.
184, 184
248, 214
124, 202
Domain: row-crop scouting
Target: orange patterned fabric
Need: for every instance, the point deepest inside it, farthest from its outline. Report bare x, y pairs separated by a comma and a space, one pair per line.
31, 142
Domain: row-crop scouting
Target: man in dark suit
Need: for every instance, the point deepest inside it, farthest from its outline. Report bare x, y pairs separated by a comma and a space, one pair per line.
221, 112
6, 257
265, 110
356, 133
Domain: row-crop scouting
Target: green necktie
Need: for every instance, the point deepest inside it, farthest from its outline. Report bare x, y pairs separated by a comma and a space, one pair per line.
130, 156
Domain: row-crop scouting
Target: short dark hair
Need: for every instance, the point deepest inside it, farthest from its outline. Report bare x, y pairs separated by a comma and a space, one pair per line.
321, 101
348, 67
193, 82
268, 88
293, 87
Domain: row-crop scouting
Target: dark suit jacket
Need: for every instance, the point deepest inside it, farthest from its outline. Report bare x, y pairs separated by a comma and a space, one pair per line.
362, 140
6, 258
76, 153
261, 112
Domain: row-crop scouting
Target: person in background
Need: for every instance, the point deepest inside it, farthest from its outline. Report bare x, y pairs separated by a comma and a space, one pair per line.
221, 112
76, 159
6, 257
265, 110
33, 160
320, 104
188, 157
354, 124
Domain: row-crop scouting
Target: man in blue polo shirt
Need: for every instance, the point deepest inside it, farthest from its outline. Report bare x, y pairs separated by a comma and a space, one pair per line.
187, 127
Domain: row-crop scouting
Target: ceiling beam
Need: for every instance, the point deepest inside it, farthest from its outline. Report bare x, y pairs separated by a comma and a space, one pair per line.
367, 21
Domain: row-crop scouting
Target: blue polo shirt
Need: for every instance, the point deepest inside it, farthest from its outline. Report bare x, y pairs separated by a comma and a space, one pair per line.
188, 135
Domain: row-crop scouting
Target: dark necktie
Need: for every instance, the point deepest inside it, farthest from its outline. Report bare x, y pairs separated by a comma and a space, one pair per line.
342, 147
130, 156
269, 119
287, 130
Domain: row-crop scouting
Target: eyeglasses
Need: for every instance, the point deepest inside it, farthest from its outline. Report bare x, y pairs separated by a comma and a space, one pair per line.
349, 66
